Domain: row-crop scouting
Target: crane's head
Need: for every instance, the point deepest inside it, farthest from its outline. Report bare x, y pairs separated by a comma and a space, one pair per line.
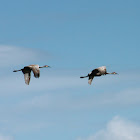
46, 66
114, 73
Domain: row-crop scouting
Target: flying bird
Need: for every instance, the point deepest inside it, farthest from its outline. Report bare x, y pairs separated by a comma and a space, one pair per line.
27, 72
97, 72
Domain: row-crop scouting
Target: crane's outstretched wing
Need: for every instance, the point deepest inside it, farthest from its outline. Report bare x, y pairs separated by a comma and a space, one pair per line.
36, 71
91, 75
95, 72
27, 77
90, 79
27, 74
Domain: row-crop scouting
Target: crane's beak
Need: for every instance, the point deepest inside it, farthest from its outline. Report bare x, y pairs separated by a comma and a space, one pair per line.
114, 73
48, 66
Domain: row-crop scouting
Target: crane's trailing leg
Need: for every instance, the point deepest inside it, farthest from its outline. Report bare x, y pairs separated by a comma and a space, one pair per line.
17, 70
84, 76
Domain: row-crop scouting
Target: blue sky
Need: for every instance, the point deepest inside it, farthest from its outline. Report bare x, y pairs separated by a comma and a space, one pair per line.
73, 37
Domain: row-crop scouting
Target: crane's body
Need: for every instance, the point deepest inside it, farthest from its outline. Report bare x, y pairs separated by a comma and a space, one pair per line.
27, 72
97, 72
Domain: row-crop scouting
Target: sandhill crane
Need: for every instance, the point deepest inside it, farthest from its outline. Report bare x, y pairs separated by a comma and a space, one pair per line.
97, 72
27, 72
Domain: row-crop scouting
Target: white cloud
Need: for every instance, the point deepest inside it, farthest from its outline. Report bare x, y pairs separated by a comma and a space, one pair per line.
117, 129
2, 137
12, 56
67, 100
45, 83
48, 85
127, 96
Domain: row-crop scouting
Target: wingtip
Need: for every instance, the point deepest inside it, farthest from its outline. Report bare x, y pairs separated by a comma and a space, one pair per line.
89, 83
26, 83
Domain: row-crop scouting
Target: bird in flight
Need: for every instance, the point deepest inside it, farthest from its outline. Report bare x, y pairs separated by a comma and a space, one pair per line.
97, 72
27, 72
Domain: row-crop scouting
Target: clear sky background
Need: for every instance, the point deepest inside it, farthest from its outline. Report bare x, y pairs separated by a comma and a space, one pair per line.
73, 37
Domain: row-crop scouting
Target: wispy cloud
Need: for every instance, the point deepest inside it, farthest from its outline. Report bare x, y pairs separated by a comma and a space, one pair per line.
63, 101
45, 83
117, 129
12, 56
60, 91
2, 137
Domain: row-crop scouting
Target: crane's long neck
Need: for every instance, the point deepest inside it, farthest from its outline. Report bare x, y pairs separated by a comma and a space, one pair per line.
42, 67
109, 73
46, 66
